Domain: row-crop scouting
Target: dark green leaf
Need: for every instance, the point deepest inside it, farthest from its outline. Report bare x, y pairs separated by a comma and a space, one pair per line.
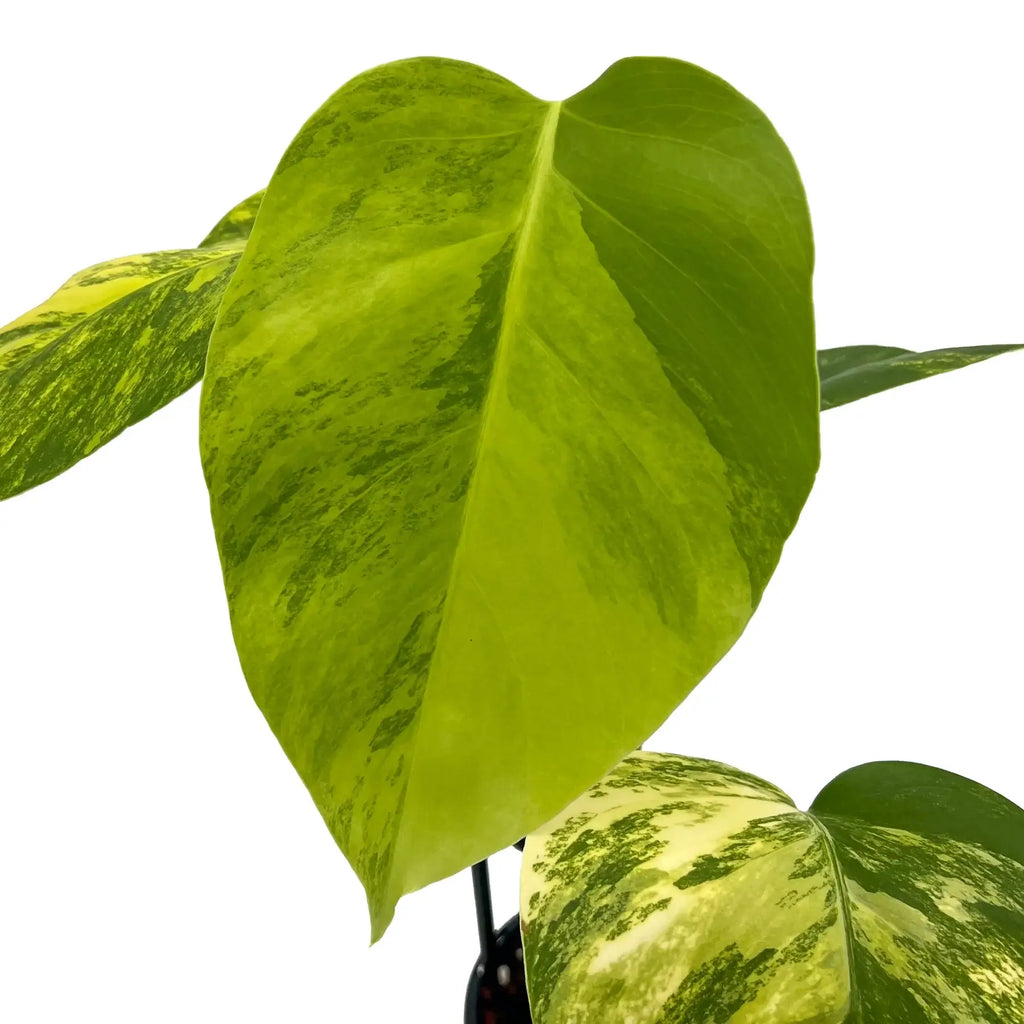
861, 370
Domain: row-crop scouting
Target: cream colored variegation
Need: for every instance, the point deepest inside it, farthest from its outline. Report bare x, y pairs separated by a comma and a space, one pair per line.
682, 891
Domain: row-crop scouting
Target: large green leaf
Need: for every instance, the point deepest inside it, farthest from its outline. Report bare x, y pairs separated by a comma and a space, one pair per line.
679, 890
113, 344
509, 409
857, 371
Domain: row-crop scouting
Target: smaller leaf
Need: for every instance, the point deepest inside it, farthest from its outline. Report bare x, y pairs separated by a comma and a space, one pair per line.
678, 889
113, 344
857, 371
236, 224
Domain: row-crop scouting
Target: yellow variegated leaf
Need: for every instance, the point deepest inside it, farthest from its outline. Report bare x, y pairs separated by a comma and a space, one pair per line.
508, 402
236, 224
113, 344
682, 891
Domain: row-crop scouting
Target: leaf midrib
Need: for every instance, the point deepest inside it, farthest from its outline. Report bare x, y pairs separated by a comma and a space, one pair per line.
540, 170
843, 903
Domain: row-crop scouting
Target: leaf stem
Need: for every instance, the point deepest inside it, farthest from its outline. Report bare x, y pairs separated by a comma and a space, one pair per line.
484, 912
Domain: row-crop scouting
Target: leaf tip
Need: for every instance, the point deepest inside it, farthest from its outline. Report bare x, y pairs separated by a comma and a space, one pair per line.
382, 913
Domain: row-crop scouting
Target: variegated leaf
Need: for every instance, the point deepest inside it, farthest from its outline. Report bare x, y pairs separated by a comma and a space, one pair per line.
509, 402
857, 371
236, 224
113, 344
682, 891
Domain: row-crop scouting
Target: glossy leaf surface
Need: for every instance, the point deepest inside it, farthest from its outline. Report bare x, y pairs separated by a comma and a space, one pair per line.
679, 890
113, 344
857, 371
509, 410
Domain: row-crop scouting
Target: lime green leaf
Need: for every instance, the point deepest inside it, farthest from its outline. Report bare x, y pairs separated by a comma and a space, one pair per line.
509, 402
113, 344
678, 889
861, 370
236, 224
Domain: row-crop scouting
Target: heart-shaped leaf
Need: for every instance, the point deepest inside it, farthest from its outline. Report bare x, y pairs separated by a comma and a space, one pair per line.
113, 344
857, 371
679, 889
508, 412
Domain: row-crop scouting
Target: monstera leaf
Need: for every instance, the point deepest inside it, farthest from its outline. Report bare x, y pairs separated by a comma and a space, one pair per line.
680, 890
861, 370
509, 409
115, 343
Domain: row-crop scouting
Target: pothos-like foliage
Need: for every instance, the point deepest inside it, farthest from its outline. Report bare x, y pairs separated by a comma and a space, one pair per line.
678, 889
113, 344
451, 429
508, 409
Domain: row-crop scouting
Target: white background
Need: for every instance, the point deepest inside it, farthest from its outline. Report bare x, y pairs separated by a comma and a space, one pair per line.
159, 859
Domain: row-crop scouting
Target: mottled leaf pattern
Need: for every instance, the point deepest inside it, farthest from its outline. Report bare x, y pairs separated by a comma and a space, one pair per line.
857, 371
115, 343
682, 891
509, 409
236, 224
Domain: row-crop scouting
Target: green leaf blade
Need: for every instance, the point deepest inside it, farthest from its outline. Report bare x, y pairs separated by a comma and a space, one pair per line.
903, 794
454, 425
726, 902
857, 371
115, 343
236, 224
